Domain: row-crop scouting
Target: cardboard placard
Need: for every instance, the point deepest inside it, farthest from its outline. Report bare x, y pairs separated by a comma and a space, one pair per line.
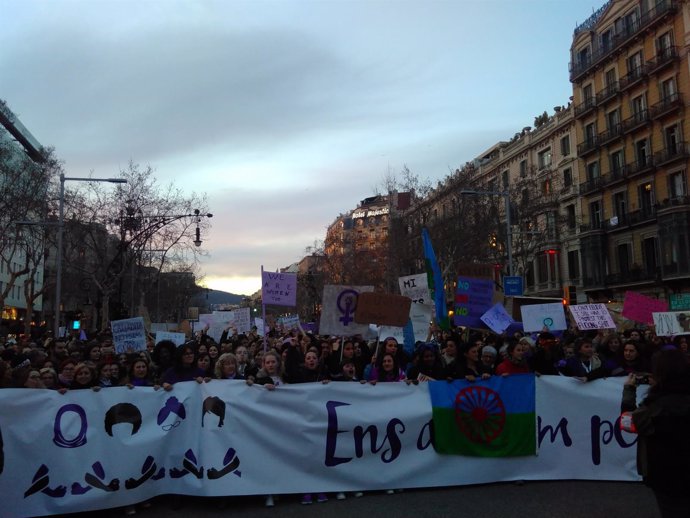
383, 309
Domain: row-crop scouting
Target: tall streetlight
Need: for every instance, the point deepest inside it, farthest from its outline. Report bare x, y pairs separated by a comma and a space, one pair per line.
61, 225
509, 235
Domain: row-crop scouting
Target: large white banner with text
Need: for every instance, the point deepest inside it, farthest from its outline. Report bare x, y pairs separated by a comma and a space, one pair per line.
83, 450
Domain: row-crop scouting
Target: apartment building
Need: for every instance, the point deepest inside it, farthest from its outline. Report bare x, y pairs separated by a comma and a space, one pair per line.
538, 167
629, 71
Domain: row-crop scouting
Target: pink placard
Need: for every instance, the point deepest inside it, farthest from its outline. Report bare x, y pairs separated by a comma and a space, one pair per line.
639, 307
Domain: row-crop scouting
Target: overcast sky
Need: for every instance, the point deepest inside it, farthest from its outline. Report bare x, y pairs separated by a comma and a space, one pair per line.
286, 113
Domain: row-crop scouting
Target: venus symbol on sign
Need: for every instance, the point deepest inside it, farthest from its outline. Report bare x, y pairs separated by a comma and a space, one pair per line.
347, 303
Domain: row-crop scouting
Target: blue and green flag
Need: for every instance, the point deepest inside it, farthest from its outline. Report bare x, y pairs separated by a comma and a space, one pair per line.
435, 280
488, 418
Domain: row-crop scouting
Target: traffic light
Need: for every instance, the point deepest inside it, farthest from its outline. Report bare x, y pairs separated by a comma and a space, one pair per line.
570, 295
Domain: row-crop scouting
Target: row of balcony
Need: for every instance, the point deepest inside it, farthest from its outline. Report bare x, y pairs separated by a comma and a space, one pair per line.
638, 275
640, 119
625, 34
623, 221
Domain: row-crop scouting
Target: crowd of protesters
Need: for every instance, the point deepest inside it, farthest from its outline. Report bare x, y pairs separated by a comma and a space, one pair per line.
287, 357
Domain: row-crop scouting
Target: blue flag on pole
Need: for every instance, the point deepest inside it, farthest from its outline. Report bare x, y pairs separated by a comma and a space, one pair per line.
435, 279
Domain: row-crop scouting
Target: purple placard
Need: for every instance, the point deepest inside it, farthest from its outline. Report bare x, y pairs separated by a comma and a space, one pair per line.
473, 298
639, 307
279, 289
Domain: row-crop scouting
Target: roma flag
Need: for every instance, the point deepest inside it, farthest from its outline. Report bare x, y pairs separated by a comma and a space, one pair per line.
487, 418
435, 280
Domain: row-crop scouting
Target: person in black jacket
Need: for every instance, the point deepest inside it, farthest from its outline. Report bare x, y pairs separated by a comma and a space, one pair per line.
662, 422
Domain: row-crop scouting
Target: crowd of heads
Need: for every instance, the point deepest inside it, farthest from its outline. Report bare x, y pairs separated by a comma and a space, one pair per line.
296, 357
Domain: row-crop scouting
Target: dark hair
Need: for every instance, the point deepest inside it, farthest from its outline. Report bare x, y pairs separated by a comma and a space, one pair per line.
216, 406
122, 413
670, 370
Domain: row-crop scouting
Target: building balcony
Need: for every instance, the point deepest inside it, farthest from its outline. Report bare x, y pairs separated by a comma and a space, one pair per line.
670, 103
626, 34
663, 58
679, 203
634, 77
611, 134
588, 146
635, 276
674, 270
585, 107
636, 121
679, 151
616, 175
641, 166
592, 226
592, 185
608, 93
640, 217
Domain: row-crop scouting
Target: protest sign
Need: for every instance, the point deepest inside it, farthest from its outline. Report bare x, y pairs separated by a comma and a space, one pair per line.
279, 289
497, 318
639, 307
592, 316
289, 322
473, 298
129, 335
536, 317
416, 287
672, 323
382, 309
259, 323
679, 301
219, 439
176, 338
339, 304
416, 329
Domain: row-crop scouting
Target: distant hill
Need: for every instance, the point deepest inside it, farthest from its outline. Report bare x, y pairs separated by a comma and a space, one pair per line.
212, 297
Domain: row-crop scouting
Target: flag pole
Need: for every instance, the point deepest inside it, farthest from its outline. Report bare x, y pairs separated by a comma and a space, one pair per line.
263, 307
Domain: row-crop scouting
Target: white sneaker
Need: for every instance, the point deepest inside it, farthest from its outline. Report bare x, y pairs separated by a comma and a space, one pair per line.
340, 496
269, 501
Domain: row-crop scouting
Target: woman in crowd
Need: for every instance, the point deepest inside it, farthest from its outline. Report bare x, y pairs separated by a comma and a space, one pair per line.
515, 362
85, 377
49, 378
226, 368
488, 357
213, 353
104, 373
662, 423
632, 360
163, 357
585, 365
184, 368
139, 375
427, 363
387, 369
204, 363
66, 373
467, 366
303, 371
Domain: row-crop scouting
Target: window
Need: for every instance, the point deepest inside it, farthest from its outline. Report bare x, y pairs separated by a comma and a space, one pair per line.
546, 187
551, 224
639, 107
620, 203
590, 133
565, 145
664, 44
606, 40
613, 119
570, 216
584, 56
542, 268
588, 93
616, 161
544, 158
523, 168
567, 177
668, 89
677, 186
642, 153
623, 253
610, 79
646, 197
632, 21
635, 65
672, 139
595, 215
592, 171
574, 264
506, 175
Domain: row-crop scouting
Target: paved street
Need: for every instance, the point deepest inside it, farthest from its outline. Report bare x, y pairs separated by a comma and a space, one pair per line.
533, 500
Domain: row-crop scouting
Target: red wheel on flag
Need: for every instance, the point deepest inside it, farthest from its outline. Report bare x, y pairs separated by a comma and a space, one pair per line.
480, 414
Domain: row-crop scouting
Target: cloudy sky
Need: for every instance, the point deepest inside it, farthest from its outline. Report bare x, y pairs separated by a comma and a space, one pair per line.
286, 113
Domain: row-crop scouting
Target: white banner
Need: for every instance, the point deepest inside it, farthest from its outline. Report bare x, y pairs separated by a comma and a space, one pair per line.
84, 451
338, 310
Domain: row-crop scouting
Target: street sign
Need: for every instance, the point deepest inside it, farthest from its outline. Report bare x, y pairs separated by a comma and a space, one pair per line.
513, 286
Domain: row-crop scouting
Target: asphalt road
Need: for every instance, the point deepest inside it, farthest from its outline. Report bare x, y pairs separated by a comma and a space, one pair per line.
571, 499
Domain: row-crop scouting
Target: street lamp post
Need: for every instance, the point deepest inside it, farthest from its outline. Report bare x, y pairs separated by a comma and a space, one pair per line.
61, 224
509, 235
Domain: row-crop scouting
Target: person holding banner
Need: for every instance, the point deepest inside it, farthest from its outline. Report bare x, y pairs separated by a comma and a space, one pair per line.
585, 365
467, 366
662, 422
515, 362
139, 375
426, 364
183, 369
226, 368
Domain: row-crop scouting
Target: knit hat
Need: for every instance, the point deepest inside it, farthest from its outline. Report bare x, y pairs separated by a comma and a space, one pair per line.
487, 349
